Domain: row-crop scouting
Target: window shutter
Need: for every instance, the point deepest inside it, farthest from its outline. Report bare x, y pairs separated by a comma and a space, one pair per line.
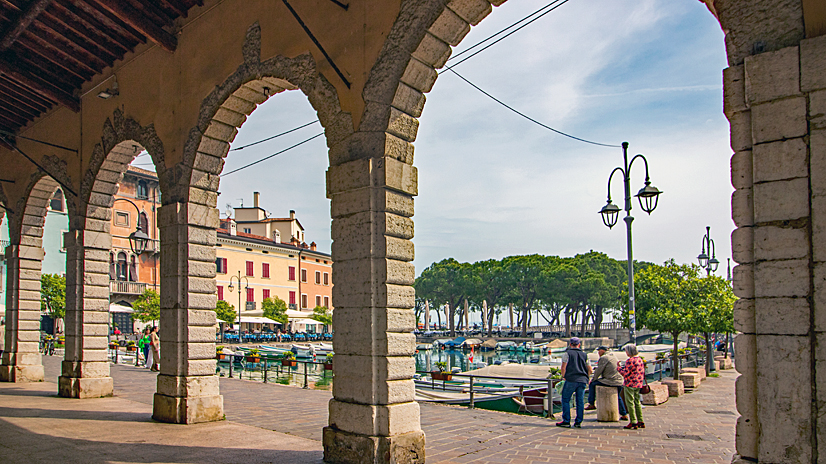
266, 293
220, 292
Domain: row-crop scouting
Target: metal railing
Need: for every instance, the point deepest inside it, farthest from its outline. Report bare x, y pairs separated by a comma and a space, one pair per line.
126, 287
263, 366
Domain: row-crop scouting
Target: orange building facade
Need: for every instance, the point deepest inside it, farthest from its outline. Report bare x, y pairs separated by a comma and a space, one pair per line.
136, 204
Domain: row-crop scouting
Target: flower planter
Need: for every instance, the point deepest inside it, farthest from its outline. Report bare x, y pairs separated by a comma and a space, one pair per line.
289, 362
441, 375
328, 366
253, 359
220, 356
113, 346
131, 348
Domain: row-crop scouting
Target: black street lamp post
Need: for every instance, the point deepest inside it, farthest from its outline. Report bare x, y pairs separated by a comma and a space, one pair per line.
648, 197
231, 288
708, 261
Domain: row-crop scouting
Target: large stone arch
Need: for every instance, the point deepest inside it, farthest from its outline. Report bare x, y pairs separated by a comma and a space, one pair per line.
85, 368
21, 360
187, 386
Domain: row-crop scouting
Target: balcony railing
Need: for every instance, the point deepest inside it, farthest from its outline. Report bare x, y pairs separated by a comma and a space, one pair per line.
128, 288
293, 306
250, 306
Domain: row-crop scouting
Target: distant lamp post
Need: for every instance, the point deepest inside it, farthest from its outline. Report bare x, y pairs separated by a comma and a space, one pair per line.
231, 288
708, 261
138, 240
648, 197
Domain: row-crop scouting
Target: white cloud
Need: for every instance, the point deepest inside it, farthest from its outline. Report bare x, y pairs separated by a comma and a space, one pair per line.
493, 184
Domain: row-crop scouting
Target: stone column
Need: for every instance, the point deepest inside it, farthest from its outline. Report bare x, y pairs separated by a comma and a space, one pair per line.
780, 179
21, 359
85, 367
373, 416
187, 385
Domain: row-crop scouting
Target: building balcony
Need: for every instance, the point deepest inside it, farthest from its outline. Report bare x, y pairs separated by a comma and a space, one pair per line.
126, 288
250, 306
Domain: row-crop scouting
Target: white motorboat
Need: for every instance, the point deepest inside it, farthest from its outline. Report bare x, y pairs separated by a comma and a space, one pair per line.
424, 346
302, 351
321, 349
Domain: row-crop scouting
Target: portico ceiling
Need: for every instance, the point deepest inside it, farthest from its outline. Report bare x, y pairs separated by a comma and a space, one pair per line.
49, 48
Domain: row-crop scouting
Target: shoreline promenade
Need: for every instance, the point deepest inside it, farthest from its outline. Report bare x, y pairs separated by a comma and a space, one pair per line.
281, 424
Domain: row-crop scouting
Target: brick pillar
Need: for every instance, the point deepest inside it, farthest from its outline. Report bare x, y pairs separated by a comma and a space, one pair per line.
779, 171
373, 416
21, 359
85, 367
187, 385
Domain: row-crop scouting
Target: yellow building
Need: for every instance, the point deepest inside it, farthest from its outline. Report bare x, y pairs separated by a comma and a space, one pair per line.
296, 272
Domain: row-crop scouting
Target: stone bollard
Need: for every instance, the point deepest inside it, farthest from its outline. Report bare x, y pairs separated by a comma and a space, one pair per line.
725, 363
607, 404
675, 387
658, 394
690, 379
700, 371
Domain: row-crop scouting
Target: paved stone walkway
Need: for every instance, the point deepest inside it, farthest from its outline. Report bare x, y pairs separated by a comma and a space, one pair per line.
701, 424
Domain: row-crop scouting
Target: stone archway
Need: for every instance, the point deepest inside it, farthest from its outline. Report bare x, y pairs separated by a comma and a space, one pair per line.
21, 360
85, 368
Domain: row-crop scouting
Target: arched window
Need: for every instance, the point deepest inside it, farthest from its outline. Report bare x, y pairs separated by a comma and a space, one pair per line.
133, 270
121, 267
143, 190
112, 271
56, 203
143, 222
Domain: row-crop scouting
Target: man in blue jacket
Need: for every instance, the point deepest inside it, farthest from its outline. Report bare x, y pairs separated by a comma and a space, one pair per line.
576, 370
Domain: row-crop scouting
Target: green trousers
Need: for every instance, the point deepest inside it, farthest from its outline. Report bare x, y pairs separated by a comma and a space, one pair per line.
633, 404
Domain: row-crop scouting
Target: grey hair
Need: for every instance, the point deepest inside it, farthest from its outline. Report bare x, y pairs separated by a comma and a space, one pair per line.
631, 350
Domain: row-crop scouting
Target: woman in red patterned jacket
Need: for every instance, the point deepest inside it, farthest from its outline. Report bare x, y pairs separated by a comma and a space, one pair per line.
633, 371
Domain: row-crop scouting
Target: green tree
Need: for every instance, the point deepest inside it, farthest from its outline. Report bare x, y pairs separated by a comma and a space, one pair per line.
147, 306
714, 312
667, 298
322, 314
276, 309
447, 281
225, 312
525, 280
488, 283
53, 296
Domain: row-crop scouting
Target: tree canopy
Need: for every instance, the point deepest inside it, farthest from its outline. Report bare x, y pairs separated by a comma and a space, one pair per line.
225, 311
582, 288
147, 307
276, 309
322, 314
53, 295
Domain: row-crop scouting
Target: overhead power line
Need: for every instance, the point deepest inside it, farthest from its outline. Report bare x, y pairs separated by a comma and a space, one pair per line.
506, 29
275, 136
273, 155
528, 117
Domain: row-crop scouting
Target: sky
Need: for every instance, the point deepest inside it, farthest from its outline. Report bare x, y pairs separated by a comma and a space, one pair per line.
492, 184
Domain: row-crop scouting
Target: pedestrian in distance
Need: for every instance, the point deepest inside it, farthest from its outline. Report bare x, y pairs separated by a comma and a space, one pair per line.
606, 375
155, 347
634, 373
143, 344
576, 371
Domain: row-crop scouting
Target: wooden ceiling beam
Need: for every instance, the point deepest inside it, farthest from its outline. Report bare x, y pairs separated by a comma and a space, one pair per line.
52, 93
126, 13
31, 11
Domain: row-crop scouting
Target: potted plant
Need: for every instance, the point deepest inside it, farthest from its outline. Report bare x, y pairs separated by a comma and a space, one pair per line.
130, 346
288, 359
441, 374
253, 356
328, 362
219, 352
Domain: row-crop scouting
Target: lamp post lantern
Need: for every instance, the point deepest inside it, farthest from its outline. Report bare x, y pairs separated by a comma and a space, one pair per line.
138, 240
708, 261
648, 197
231, 288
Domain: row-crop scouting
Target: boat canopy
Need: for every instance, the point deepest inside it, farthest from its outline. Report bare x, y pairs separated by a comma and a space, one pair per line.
489, 343
455, 343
